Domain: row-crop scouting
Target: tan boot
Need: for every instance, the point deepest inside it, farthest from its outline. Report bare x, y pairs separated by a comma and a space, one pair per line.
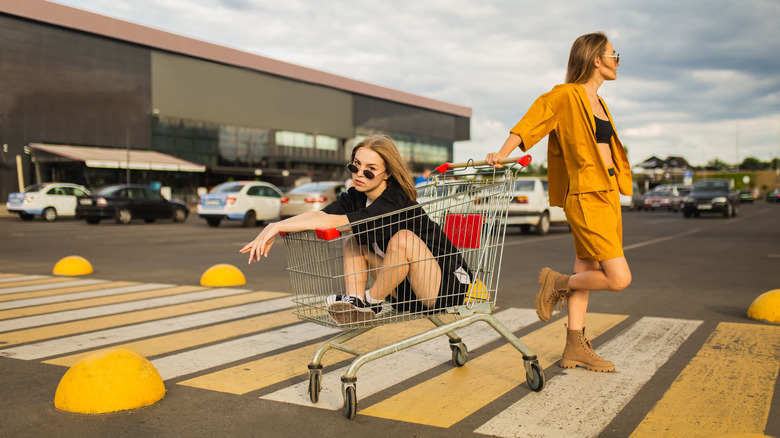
555, 289
578, 351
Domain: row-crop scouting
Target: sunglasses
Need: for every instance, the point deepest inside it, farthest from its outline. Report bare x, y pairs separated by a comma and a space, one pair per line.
616, 56
367, 173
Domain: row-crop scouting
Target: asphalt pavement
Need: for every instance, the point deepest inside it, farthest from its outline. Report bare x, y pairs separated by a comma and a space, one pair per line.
687, 355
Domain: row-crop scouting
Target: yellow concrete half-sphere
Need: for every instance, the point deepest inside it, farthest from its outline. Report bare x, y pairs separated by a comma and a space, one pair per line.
72, 266
109, 381
766, 307
222, 275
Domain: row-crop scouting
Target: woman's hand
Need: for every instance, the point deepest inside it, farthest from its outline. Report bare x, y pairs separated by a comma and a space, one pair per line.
262, 244
493, 159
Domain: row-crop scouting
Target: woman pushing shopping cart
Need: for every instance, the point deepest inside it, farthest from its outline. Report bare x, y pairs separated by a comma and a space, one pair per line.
377, 256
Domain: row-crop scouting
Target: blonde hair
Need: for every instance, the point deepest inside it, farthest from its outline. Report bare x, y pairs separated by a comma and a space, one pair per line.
584, 50
395, 166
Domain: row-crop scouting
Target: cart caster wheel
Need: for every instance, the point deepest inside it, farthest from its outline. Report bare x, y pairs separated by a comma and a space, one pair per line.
315, 377
350, 402
460, 354
536, 378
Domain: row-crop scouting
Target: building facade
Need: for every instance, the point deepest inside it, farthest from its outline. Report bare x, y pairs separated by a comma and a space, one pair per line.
74, 78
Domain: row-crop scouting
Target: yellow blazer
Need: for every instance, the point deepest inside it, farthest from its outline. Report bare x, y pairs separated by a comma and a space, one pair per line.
573, 161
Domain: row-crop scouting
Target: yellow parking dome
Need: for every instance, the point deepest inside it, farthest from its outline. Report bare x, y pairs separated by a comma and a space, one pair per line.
766, 307
109, 381
222, 275
72, 266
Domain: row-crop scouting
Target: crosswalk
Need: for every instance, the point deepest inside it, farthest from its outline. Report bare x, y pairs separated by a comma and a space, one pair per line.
249, 343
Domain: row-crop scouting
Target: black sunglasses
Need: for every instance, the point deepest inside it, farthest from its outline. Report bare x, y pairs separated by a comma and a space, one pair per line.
367, 173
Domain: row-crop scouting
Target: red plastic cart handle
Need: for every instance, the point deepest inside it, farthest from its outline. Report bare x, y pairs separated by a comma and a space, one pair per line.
524, 161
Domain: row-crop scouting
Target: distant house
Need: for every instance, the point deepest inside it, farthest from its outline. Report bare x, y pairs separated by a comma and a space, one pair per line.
670, 163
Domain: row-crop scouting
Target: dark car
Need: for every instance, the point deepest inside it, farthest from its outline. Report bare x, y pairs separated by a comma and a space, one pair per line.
773, 196
746, 196
711, 196
124, 203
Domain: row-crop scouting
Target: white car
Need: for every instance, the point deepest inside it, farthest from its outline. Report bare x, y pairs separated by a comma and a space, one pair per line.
530, 206
247, 201
49, 200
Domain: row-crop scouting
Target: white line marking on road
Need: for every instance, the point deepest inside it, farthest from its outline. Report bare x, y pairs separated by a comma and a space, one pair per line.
204, 358
637, 353
62, 285
81, 295
90, 312
382, 373
661, 239
22, 278
71, 344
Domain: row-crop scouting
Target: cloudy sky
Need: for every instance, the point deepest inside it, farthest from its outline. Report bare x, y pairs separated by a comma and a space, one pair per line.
698, 78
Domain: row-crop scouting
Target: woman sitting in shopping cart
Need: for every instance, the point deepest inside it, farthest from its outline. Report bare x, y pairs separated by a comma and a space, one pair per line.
414, 264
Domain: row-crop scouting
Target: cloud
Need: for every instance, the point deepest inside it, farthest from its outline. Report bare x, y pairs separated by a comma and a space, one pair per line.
691, 71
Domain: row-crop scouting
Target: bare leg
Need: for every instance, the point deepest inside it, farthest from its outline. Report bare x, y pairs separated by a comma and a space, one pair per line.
355, 267
614, 275
408, 256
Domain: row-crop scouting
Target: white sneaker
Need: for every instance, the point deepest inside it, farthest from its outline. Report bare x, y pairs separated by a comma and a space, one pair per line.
345, 309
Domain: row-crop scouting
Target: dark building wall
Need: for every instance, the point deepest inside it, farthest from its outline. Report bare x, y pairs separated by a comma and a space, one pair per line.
61, 86
195, 89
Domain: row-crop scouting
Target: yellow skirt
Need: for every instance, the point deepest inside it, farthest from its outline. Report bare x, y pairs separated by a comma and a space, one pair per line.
596, 223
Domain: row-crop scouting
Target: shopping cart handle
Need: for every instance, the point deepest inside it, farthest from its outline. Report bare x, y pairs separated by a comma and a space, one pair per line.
327, 233
524, 161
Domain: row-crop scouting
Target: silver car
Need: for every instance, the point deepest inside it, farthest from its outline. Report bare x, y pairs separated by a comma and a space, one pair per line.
311, 197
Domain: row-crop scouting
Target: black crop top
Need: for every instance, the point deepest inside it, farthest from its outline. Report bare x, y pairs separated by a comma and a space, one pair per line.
603, 130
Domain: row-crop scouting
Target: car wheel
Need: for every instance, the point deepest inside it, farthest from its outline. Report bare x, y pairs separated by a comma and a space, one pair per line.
93, 220
213, 221
124, 216
729, 211
26, 216
736, 211
250, 219
179, 215
50, 214
543, 227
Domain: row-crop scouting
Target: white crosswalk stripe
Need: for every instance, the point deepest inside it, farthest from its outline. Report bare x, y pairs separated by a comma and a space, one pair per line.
111, 309
637, 353
81, 295
50, 286
70, 344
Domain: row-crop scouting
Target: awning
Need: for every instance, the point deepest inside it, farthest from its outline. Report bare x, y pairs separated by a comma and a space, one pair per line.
115, 158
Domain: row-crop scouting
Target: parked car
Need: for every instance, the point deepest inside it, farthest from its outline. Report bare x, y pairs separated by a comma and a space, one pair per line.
311, 197
773, 196
668, 198
49, 200
247, 201
711, 196
633, 202
530, 207
123, 203
746, 196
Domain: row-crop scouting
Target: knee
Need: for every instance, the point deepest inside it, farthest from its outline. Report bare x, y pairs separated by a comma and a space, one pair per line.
400, 241
620, 281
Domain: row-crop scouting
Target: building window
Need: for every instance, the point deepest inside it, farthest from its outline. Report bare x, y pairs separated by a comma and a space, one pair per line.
294, 139
327, 143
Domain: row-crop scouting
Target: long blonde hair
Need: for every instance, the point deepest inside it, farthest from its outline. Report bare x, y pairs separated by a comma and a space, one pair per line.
584, 50
395, 166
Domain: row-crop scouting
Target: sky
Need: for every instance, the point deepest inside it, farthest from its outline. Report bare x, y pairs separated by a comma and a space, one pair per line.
697, 78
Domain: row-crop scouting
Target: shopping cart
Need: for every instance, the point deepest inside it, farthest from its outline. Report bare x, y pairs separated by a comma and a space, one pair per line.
467, 203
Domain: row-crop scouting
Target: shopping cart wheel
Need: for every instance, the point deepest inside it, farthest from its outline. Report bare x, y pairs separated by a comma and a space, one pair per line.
350, 401
315, 377
536, 378
460, 354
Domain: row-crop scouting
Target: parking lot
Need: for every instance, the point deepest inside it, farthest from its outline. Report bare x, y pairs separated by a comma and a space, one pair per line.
681, 323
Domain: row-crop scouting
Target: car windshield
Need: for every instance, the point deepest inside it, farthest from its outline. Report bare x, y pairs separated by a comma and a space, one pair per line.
711, 186
312, 188
34, 188
227, 188
524, 186
108, 191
